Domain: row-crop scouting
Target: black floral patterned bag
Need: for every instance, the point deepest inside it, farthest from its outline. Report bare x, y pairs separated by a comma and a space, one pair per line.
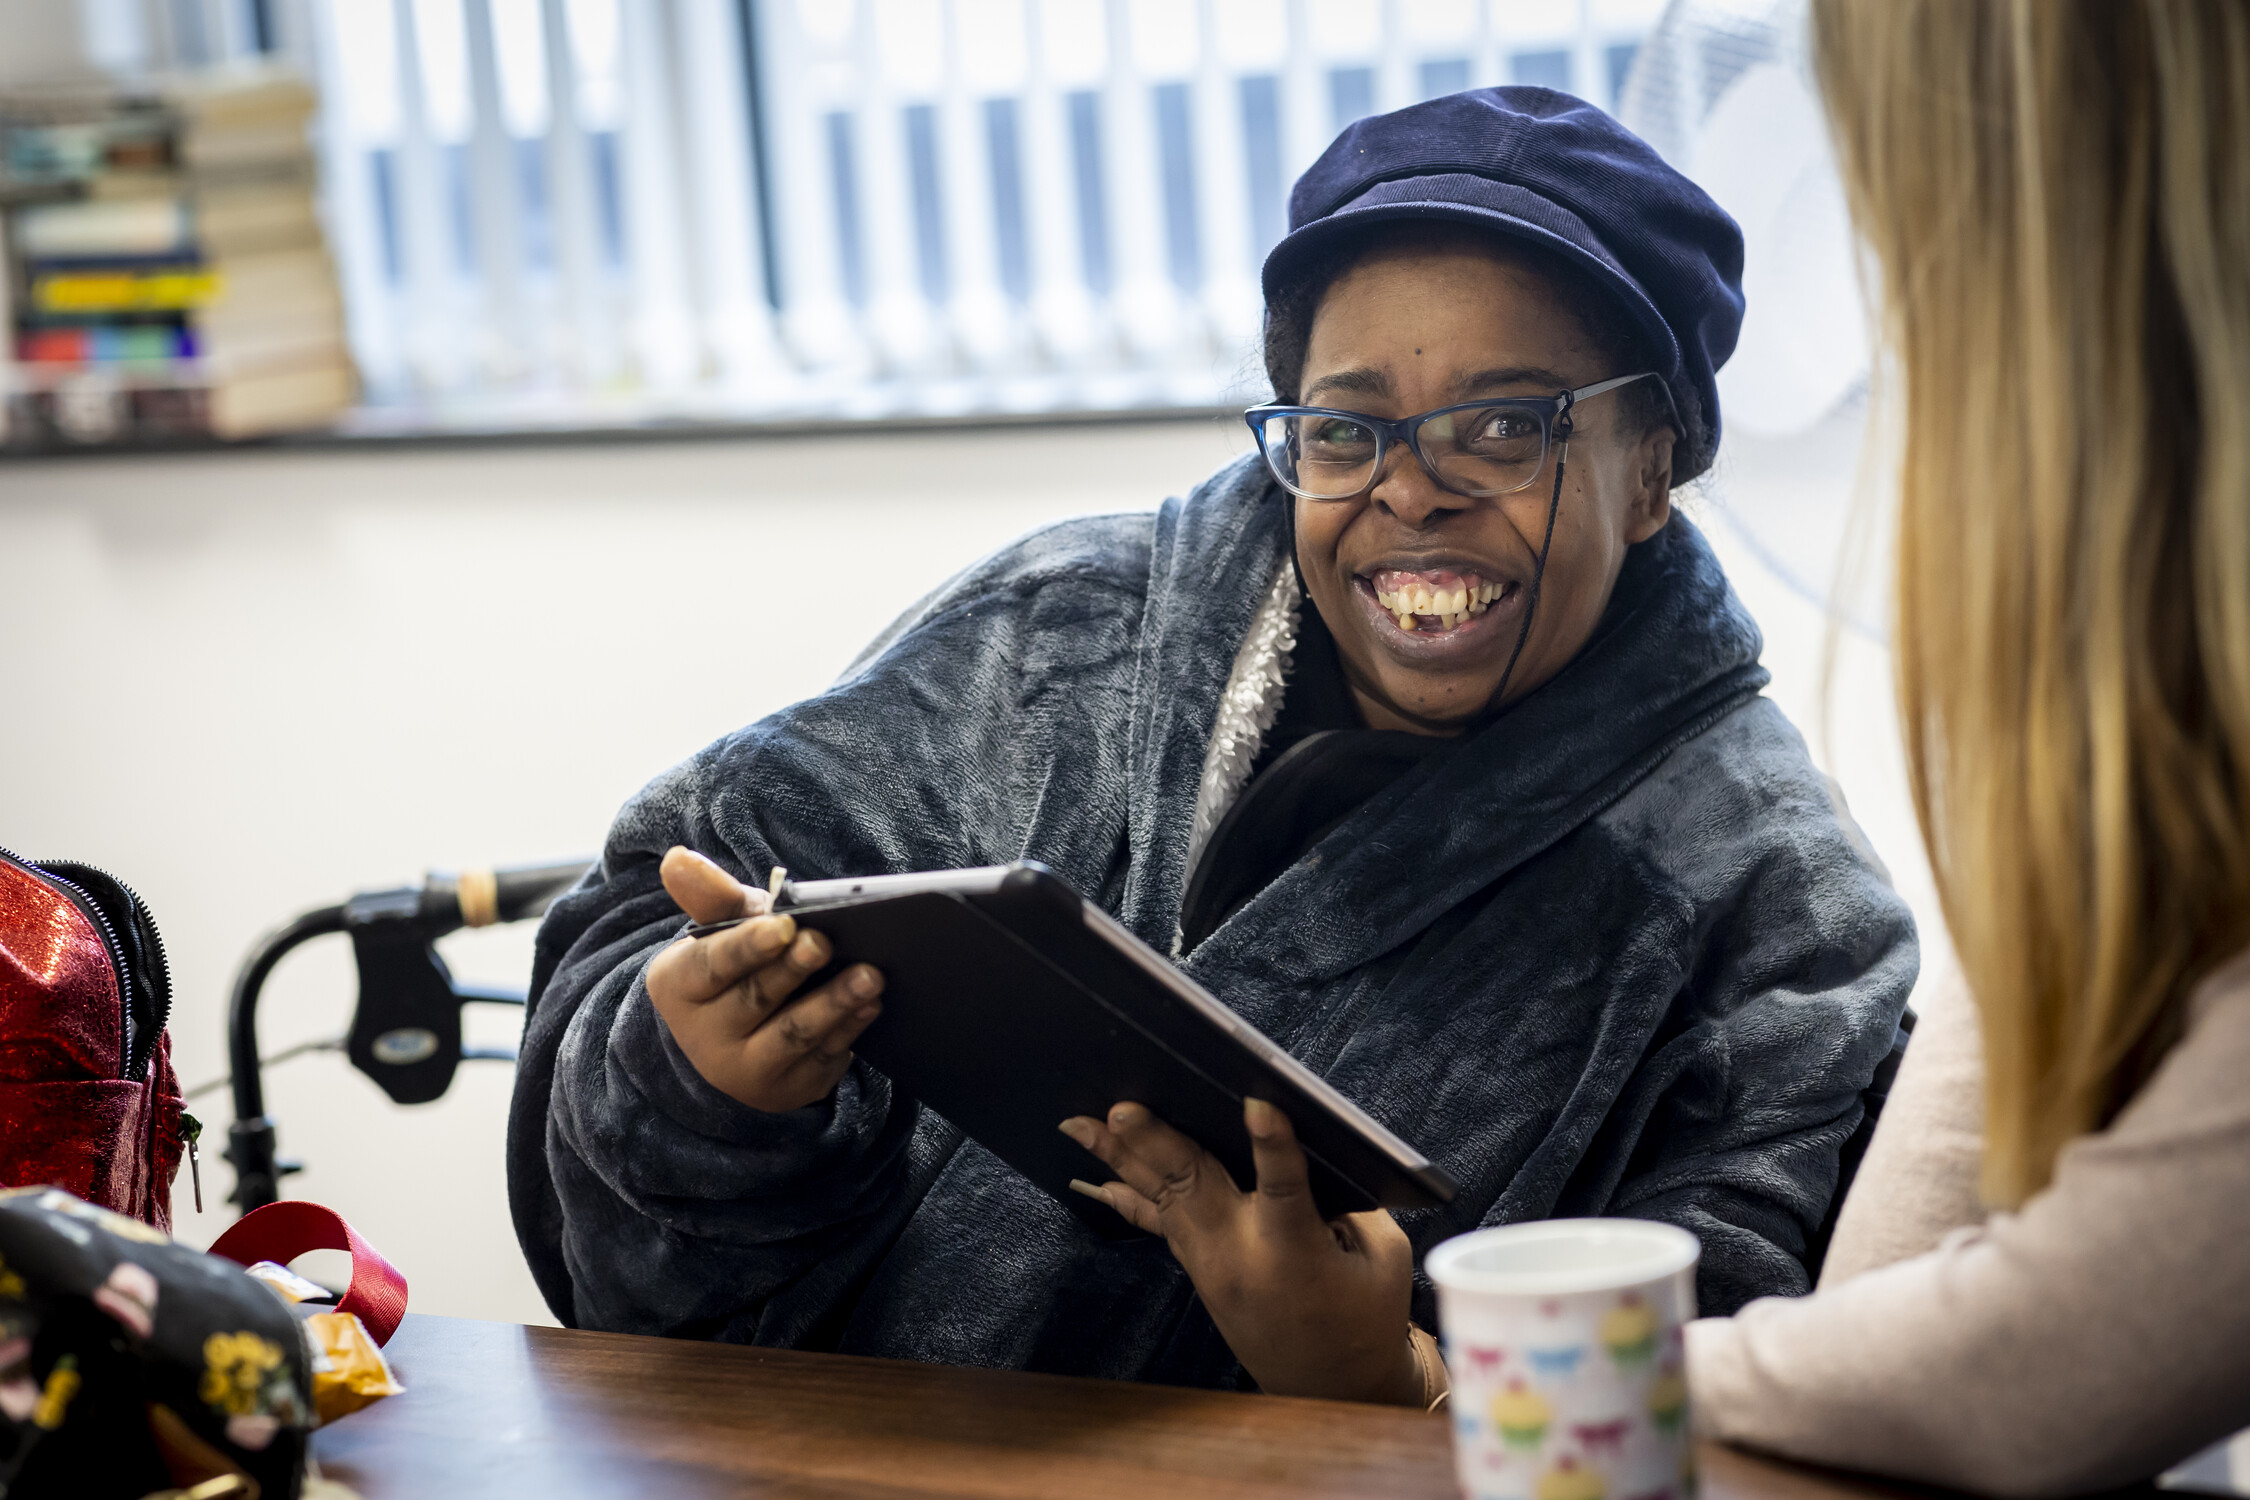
131, 1365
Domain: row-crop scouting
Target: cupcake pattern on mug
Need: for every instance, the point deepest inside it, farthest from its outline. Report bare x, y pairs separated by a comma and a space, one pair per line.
1667, 1400
1628, 1332
1574, 1398
1520, 1415
1569, 1479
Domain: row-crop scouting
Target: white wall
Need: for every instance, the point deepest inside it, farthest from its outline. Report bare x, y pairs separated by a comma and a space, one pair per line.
252, 683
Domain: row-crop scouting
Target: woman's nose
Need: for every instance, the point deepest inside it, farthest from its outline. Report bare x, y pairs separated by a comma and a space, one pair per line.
1406, 490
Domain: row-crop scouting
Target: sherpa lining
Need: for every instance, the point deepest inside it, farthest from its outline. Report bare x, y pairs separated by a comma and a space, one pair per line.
1247, 708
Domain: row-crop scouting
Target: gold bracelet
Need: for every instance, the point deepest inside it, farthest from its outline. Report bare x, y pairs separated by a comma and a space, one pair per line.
1437, 1386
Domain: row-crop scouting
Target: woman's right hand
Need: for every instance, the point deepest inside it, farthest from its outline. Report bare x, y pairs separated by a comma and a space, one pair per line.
727, 997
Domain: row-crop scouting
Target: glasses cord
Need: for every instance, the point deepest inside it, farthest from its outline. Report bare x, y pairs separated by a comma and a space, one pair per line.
1539, 569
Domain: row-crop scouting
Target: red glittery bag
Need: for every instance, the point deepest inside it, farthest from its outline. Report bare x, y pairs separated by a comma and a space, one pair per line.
88, 1099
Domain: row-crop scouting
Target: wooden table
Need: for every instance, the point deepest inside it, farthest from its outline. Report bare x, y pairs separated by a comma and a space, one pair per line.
495, 1409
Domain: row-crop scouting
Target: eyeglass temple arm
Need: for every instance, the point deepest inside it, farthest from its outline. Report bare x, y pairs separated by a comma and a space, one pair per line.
1589, 392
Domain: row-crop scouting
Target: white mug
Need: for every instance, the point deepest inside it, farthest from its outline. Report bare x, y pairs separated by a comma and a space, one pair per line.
1562, 1340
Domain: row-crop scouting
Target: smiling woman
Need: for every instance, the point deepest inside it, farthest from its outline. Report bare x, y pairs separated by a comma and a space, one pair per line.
1429, 739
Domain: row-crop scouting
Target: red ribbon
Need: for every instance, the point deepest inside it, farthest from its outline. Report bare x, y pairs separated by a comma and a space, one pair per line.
282, 1231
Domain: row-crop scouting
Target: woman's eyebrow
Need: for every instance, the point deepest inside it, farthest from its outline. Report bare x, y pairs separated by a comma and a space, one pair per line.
1363, 380
1511, 375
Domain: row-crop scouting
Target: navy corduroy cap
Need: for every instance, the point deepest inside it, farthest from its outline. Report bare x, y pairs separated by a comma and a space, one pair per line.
1555, 172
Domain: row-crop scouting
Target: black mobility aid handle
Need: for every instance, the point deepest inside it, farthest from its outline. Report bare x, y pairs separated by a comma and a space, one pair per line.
406, 1029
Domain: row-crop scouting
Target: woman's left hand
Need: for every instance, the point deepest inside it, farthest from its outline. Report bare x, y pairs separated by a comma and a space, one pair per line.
1310, 1307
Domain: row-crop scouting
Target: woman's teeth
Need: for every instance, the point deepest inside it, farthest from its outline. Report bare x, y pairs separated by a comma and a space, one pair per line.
1451, 607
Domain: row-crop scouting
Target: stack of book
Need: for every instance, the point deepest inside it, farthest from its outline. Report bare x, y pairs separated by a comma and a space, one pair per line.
167, 275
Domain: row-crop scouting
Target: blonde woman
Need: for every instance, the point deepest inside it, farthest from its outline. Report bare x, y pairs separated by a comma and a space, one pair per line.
2058, 192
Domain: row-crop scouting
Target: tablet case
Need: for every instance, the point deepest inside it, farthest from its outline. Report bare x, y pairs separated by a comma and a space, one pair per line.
1012, 1009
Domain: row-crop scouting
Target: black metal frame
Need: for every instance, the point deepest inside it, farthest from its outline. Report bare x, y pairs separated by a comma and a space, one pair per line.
401, 977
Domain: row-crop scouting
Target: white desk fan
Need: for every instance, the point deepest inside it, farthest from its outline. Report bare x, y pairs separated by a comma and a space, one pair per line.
1724, 89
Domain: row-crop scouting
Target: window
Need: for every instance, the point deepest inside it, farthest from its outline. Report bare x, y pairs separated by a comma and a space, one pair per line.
1546, 69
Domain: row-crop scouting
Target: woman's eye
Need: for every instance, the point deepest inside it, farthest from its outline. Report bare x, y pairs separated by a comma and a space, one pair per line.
1336, 434
1504, 427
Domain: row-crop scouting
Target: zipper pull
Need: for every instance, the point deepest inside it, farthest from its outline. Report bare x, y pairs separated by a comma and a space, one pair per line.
192, 1129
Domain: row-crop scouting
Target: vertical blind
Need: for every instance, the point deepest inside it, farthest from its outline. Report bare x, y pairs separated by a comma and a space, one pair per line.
555, 212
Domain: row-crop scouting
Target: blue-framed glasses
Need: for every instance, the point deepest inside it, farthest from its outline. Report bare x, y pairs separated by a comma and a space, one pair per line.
1478, 448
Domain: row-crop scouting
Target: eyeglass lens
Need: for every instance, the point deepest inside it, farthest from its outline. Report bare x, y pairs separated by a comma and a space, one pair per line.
1485, 450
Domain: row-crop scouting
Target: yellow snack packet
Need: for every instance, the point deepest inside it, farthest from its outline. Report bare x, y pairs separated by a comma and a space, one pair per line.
348, 1371
287, 1284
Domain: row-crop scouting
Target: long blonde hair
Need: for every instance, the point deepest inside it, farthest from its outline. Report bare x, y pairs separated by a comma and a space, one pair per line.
2058, 194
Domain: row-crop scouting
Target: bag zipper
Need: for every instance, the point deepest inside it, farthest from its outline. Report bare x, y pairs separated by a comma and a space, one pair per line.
191, 1131
141, 1041
153, 965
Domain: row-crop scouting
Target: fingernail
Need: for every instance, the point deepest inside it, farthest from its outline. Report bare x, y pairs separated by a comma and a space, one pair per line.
1079, 1185
806, 951
1075, 1128
865, 983
775, 930
1259, 1116
1122, 1116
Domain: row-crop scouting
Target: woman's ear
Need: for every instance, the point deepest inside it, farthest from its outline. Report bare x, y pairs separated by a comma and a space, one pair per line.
1652, 486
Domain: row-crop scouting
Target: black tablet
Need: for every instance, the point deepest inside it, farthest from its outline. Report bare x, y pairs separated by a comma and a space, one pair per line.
1010, 1004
